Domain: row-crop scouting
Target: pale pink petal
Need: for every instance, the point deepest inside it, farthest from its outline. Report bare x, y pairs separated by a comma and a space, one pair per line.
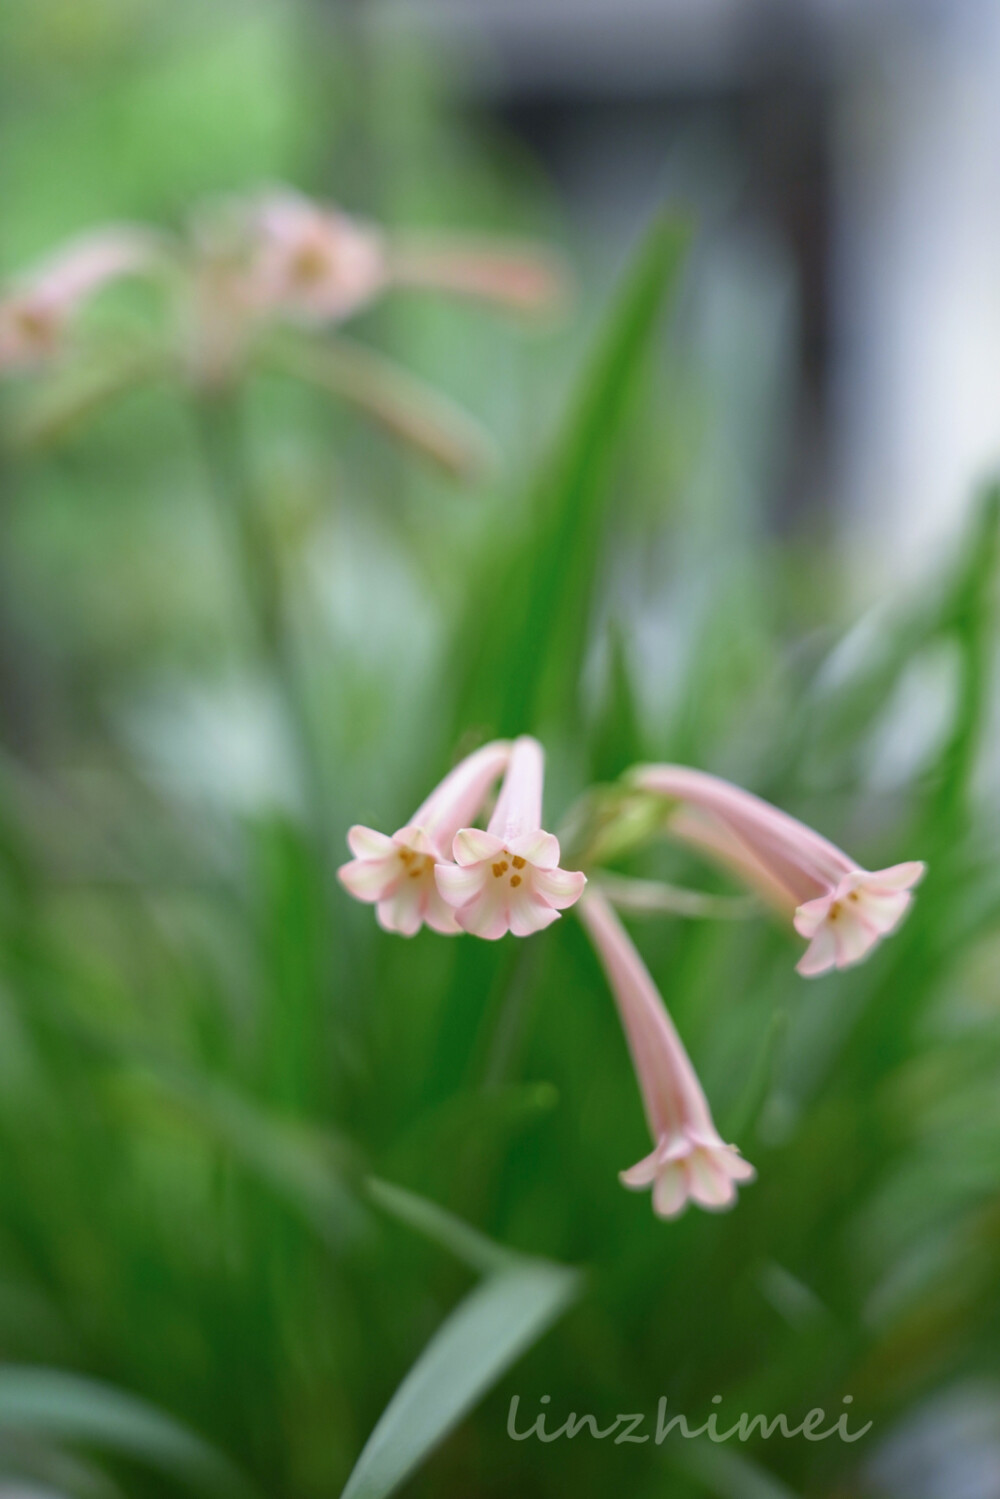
369, 879
811, 915
417, 839
883, 910
401, 911
675, 1148
366, 843
898, 876
642, 1174
820, 955
528, 915
459, 885
473, 846
670, 1193
708, 1182
538, 847
486, 915
739, 1169
853, 940
560, 887
439, 916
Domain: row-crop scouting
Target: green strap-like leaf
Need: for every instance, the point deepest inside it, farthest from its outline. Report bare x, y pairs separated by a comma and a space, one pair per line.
492, 1327
71, 1408
527, 646
467, 1244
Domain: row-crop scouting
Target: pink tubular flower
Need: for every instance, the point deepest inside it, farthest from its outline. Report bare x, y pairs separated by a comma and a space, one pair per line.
508, 879
841, 909
311, 262
35, 312
522, 278
315, 263
689, 1161
397, 874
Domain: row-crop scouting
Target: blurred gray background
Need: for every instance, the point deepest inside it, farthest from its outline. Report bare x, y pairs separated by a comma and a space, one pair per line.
843, 156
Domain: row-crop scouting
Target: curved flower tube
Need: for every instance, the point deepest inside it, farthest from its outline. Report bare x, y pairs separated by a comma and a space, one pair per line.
397, 874
316, 264
507, 879
689, 1162
841, 909
37, 309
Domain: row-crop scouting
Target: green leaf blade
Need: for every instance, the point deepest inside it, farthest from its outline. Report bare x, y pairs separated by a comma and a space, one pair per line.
489, 1330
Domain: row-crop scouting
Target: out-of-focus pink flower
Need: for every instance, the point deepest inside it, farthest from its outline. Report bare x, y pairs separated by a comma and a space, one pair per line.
507, 879
312, 262
397, 874
689, 1160
521, 277
841, 909
36, 310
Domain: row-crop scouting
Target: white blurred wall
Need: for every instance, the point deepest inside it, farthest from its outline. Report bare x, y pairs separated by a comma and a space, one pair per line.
912, 88
917, 289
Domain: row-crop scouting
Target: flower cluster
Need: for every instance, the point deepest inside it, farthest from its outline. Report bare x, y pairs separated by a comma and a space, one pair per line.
457, 878
841, 909
507, 878
267, 281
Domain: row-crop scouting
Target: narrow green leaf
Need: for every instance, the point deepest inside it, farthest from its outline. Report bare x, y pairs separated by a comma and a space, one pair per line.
486, 1333
42, 1402
529, 644
467, 1244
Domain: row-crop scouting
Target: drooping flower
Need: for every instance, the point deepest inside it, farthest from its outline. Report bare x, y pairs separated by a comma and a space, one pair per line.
37, 309
396, 874
313, 262
841, 909
507, 879
521, 277
689, 1161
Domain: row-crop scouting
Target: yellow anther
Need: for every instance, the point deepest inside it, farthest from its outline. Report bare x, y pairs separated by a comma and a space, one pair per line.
499, 869
310, 263
517, 861
515, 880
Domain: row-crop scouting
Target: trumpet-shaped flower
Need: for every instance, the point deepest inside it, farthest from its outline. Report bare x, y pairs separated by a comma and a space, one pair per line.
396, 874
841, 909
312, 262
36, 311
507, 879
522, 278
315, 263
689, 1160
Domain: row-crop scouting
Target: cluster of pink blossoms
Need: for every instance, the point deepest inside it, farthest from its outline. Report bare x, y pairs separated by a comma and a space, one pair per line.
250, 262
458, 878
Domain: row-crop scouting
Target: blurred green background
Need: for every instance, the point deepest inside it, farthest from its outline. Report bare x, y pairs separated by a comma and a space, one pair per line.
212, 1063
